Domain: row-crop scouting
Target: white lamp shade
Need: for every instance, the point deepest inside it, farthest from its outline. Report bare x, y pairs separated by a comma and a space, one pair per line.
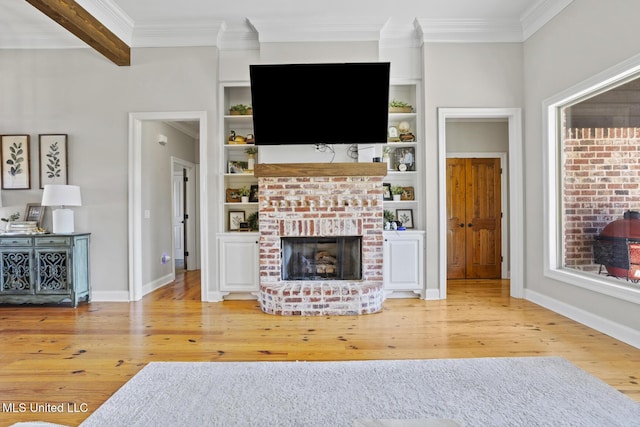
61, 195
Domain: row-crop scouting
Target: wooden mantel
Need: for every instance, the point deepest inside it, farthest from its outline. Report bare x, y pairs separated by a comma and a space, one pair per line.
319, 169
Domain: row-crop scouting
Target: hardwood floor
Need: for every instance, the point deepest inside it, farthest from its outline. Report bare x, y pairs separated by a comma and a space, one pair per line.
77, 358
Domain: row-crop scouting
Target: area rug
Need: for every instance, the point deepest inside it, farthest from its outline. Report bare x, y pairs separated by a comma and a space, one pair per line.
529, 391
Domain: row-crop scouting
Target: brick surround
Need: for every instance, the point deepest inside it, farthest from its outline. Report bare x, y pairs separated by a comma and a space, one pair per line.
600, 183
321, 206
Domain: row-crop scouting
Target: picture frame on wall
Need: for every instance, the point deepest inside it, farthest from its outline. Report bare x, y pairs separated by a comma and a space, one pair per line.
235, 219
34, 212
405, 216
15, 157
53, 159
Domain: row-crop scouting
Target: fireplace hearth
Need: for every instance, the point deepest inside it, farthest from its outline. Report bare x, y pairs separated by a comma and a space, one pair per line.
320, 238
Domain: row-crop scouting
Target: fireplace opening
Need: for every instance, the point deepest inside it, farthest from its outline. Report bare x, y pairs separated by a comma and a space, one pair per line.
322, 258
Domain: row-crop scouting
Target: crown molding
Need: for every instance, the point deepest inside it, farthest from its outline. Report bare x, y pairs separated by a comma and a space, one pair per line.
111, 16
238, 36
249, 33
317, 29
539, 14
469, 30
177, 34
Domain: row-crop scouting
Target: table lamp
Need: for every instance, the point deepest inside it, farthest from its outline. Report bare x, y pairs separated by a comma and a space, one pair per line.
62, 195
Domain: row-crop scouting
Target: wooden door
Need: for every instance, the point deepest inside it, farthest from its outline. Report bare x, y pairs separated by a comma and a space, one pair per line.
474, 219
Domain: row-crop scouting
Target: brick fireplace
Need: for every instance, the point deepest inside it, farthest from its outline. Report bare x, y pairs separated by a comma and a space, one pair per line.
320, 200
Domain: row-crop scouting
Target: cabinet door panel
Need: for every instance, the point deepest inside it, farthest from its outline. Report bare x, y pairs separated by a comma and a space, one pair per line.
53, 270
16, 271
239, 265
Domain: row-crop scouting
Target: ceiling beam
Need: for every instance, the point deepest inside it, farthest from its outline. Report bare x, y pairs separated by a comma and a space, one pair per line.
83, 25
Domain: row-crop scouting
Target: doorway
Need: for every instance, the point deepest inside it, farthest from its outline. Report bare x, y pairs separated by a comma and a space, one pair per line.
137, 215
514, 249
474, 218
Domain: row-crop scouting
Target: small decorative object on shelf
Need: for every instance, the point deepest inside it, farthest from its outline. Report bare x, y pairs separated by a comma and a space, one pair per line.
236, 139
396, 106
244, 194
388, 216
240, 110
397, 191
251, 154
405, 132
253, 221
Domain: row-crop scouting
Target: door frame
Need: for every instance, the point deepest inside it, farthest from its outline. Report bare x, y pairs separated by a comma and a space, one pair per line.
504, 206
515, 185
135, 196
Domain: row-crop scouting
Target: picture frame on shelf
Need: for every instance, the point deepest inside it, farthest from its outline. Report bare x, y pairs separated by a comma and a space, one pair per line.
253, 194
53, 159
16, 160
386, 191
408, 193
234, 166
236, 218
233, 195
405, 216
34, 212
392, 134
404, 159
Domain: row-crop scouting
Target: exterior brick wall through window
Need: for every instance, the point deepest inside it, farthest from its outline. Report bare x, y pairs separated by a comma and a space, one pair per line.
601, 182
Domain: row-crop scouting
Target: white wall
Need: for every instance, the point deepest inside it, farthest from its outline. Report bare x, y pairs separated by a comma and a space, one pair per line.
586, 38
477, 136
78, 92
462, 75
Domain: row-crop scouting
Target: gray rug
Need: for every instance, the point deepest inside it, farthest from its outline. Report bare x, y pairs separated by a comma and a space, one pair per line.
531, 391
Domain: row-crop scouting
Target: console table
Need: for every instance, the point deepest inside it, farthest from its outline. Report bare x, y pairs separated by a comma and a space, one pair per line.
44, 268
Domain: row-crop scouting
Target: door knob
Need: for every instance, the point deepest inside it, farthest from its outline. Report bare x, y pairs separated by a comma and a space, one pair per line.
470, 225
461, 224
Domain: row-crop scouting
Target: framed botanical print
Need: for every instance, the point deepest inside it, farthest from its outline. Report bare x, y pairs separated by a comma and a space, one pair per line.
14, 150
235, 218
405, 216
53, 159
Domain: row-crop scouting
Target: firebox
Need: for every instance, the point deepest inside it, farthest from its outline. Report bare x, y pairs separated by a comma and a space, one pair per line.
322, 258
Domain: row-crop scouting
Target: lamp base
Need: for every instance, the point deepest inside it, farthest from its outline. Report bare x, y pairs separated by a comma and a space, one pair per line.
62, 221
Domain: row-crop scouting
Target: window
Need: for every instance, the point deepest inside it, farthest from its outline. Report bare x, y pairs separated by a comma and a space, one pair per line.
593, 157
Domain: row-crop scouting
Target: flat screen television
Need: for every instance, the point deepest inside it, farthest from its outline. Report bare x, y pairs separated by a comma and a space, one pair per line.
331, 103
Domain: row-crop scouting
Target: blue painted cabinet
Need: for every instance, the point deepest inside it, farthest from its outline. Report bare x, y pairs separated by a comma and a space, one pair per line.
44, 269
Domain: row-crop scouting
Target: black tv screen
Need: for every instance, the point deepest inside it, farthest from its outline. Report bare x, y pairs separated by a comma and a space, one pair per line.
345, 103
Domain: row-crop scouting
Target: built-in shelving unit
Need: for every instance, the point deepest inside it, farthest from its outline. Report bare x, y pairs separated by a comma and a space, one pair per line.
236, 173
411, 178
234, 158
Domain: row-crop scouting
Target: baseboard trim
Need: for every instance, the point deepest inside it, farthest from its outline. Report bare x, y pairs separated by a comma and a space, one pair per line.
109, 296
620, 332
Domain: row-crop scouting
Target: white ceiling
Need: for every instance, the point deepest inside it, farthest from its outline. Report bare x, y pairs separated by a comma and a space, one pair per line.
239, 23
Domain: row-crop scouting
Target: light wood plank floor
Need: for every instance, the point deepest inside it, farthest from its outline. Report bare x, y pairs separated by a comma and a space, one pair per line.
61, 355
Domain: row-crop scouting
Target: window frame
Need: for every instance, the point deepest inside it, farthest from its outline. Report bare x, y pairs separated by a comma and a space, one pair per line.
553, 182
